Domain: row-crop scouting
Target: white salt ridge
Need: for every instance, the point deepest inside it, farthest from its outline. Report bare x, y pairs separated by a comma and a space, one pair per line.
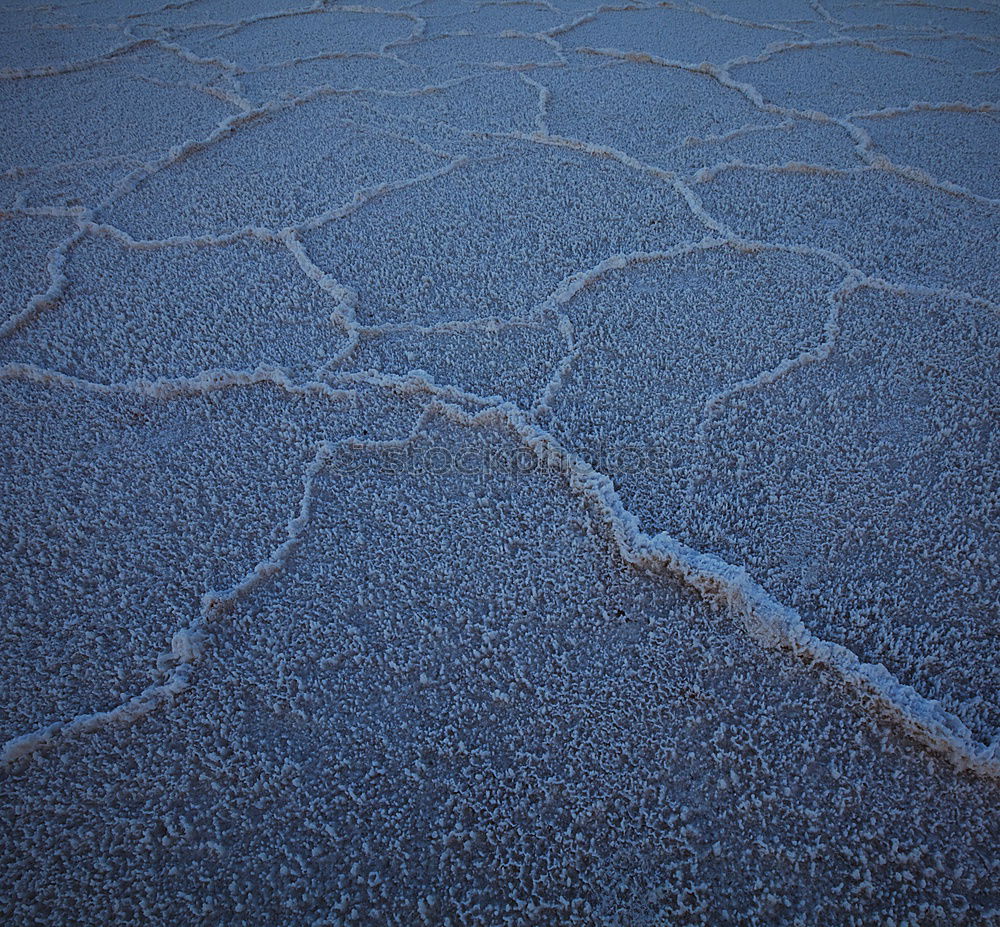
764, 618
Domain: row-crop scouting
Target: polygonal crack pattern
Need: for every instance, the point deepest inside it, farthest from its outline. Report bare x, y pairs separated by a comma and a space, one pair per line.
510, 462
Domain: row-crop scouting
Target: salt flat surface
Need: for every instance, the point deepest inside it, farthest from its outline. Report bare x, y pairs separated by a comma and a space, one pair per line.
475, 463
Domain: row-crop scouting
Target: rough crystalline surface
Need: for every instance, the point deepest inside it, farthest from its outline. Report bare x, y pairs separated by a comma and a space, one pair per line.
499, 463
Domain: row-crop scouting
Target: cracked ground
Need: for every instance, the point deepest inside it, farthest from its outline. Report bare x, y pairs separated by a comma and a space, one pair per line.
500, 463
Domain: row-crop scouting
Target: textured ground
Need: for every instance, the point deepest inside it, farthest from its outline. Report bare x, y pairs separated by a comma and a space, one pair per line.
500, 463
